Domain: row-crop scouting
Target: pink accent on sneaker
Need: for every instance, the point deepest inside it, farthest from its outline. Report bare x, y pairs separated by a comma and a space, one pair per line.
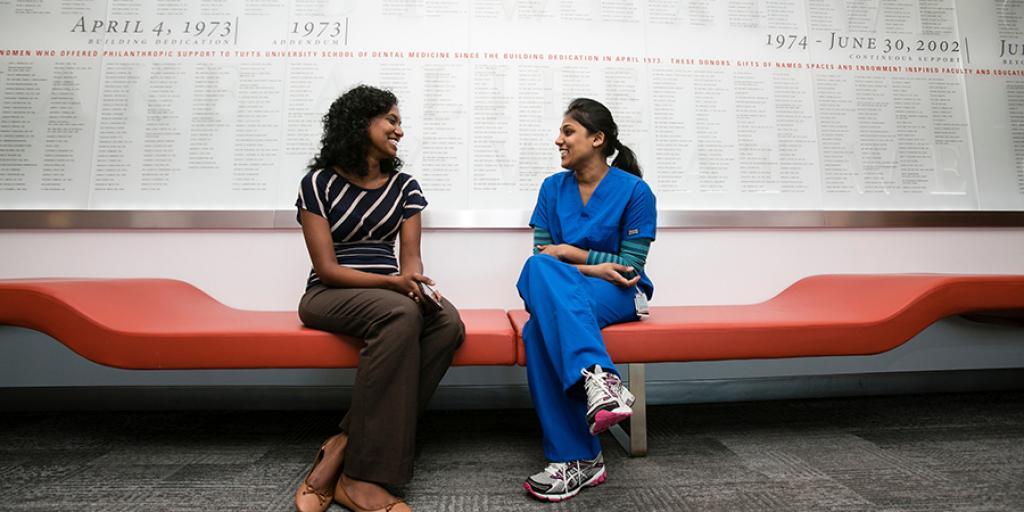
539, 496
554, 499
605, 419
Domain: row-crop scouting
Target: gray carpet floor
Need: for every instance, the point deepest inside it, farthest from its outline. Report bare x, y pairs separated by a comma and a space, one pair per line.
922, 453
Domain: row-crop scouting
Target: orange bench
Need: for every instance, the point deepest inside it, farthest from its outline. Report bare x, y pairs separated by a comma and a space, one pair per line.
826, 315
147, 324
167, 324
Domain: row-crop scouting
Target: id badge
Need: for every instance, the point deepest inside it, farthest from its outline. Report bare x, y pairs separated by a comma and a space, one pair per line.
640, 302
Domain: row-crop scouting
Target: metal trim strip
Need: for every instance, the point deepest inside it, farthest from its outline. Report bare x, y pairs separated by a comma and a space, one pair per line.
508, 219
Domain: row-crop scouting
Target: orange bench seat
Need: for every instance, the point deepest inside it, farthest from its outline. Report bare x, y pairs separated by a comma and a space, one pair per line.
165, 324
147, 324
823, 315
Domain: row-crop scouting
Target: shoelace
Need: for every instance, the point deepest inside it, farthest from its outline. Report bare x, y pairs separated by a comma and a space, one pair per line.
565, 471
555, 468
598, 386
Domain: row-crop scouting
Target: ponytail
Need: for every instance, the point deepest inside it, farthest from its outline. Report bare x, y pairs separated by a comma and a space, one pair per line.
596, 117
626, 160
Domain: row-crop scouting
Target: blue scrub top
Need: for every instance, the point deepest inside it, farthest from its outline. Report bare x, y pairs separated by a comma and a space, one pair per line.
622, 207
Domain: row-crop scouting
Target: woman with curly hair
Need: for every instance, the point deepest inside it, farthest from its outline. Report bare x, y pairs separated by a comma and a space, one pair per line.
353, 203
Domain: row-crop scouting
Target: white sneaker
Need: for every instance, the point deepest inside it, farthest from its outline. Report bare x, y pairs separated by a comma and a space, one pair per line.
563, 480
608, 401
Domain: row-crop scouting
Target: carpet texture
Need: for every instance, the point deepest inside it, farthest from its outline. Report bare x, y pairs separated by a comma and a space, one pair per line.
914, 453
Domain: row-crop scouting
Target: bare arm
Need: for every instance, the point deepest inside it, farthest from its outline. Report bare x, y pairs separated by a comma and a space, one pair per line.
633, 254
567, 253
544, 244
409, 259
411, 262
611, 272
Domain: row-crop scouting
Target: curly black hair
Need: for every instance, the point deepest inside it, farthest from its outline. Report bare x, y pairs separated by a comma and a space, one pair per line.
345, 141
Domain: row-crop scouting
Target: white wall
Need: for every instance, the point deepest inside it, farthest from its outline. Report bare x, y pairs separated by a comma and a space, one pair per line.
266, 269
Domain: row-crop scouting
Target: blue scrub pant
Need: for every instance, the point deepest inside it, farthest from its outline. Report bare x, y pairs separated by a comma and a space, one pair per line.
563, 336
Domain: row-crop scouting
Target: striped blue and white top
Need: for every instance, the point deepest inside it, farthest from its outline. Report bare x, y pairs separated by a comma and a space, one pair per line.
364, 222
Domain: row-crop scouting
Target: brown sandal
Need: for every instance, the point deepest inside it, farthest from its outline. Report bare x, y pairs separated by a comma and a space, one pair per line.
308, 499
343, 498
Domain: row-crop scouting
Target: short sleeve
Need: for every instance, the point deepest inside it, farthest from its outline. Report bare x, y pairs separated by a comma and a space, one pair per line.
641, 217
539, 219
309, 196
413, 200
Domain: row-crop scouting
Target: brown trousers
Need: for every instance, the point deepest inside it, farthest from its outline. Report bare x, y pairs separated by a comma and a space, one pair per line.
405, 357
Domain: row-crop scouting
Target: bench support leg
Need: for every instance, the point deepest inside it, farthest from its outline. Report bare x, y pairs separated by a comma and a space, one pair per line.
635, 442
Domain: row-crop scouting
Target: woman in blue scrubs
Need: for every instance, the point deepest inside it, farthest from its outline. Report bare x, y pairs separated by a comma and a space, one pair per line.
593, 225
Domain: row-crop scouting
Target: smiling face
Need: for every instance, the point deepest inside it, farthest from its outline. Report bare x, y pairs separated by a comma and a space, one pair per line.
384, 132
576, 145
